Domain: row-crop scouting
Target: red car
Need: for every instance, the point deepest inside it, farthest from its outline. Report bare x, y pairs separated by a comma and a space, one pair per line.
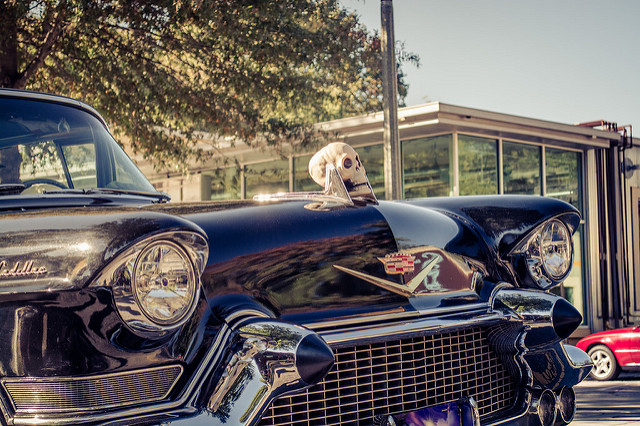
612, 351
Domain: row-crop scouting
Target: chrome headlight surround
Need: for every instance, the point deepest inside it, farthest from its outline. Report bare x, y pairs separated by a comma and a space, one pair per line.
163, 283
547, 253
143, 275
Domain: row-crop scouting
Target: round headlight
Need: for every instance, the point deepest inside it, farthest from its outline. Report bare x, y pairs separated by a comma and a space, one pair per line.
544, 257
556, 250
164, 283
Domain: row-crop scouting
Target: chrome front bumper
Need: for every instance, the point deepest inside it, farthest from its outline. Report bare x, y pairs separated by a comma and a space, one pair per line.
259, 370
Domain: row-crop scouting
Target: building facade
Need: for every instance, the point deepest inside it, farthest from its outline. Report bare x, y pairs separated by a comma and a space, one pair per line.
449, 150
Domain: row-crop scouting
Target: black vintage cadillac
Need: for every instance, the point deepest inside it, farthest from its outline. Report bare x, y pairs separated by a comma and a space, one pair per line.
315, 308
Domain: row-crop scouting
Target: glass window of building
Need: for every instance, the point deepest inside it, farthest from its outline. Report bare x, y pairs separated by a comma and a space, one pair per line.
225, 184
267, 178
478, 165
521, 169
426, 165
572, 288
564, 175
301, 178
372, 157
564, 181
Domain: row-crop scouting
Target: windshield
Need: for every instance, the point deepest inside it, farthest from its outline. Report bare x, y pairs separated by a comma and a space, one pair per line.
47, 146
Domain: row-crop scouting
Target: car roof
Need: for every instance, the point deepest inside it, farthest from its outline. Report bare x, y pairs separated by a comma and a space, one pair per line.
47, 97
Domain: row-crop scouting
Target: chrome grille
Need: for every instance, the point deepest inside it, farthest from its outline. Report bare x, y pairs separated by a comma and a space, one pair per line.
400, 376
67, 394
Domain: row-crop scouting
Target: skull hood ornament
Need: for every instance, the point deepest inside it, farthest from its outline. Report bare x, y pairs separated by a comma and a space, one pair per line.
337, 167
347, 163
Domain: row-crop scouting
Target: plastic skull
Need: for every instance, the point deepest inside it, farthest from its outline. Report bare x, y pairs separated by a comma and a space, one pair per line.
346, 161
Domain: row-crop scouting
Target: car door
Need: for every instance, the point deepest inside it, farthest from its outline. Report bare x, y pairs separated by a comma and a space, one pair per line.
634, 346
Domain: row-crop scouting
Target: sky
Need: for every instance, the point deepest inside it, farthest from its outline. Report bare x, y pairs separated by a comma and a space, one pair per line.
567, 61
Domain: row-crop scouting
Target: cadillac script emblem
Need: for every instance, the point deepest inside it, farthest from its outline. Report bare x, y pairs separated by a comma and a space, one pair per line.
20, 270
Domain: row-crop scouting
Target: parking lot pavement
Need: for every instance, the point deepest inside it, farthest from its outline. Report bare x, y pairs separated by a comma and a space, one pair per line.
614, 403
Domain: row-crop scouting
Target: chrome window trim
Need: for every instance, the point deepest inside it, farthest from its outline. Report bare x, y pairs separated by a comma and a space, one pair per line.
48, 97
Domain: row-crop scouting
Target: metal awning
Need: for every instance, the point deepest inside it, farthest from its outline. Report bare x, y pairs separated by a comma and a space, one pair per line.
436, 117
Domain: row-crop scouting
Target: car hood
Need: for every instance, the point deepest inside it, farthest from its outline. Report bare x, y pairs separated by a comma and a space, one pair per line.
609, 333
501, 221
308, 264
292, 259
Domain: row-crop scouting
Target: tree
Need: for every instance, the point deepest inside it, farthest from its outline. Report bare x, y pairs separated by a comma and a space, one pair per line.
162, 72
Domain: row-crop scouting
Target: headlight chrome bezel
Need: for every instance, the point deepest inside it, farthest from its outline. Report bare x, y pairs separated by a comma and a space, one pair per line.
550, 249
120, 276
137, 284
540, 250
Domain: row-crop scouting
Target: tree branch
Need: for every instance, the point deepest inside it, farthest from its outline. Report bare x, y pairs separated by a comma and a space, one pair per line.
53, 36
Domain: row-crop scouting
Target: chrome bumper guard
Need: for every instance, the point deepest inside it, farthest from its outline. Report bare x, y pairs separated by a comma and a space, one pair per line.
272, 359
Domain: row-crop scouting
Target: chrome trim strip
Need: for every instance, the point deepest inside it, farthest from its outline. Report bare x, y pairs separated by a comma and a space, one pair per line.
317, 326
408, 315
475, 411
399, 330
231, 319
498, 287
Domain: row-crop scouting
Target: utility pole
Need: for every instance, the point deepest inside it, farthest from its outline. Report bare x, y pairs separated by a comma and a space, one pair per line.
391, 136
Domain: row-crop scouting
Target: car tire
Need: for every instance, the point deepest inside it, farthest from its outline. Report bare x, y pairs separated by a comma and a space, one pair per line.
605, 365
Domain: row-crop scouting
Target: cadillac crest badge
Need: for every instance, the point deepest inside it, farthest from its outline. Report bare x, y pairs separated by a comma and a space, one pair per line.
398, 263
